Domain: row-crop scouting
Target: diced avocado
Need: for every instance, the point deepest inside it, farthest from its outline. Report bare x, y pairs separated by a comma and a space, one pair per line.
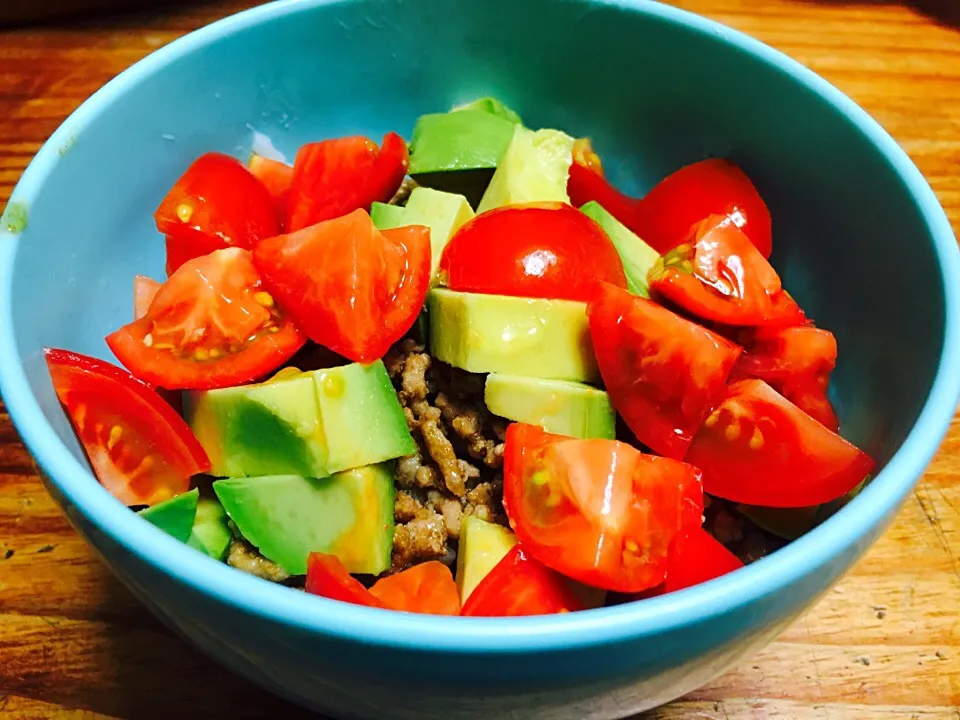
211, 534
286, 517
463, 140
490, 105
529, 337
310, 424
386, 216
442, 212
482, 545
558, 406
534, 168
638, 257
174, 516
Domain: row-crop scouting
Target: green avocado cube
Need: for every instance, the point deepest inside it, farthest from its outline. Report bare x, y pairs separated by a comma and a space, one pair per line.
174, 516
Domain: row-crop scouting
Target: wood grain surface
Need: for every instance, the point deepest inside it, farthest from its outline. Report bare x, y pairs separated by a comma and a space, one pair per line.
884, 644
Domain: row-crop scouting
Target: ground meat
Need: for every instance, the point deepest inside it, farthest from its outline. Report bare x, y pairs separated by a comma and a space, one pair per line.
739, 534
244, 556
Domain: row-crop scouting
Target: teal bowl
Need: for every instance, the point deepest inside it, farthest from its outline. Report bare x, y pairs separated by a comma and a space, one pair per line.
860, 241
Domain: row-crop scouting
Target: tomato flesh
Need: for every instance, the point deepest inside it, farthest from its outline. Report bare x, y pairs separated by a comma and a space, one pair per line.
758, 448
598, 511
140, 449
796, 362
587, 183
210, 325
144, 291
217, 203
327, 577
425, 588
335, 177
541, 250
664, 373
277, 177
520, 585
350, 287
696, 558
709, 187
719, 276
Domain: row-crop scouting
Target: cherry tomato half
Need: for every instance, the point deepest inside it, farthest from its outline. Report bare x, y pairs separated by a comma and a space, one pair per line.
140, 449
598, 511
277, 177
350, 287
425, 588
758, 448
210, 325
709, 187
327, 577
541, 250
587, 183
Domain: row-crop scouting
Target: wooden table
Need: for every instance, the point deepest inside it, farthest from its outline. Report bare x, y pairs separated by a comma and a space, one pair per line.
884, 644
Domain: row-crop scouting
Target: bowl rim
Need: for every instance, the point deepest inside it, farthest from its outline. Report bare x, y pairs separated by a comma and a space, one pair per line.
850, 527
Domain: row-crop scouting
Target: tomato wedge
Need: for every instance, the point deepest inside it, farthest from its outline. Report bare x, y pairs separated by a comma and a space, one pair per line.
719, 276
140, 449
695, 559
144, 291
598, 511
664, 373
327, 577
217, 203
425, 588
758, 448
796, 362
335, 177
663, 218
350, 287
520, 585
587, 183
210, 325
277, 177
541, 250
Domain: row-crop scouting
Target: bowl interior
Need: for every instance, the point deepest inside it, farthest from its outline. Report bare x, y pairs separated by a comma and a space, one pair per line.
851, 242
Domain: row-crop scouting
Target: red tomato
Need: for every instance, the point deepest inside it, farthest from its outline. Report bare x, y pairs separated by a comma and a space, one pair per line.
696, 558
211, 325
709, 187
425, 588
217, 203
758, 448
276, 178
664, 373
141, 451
587, 183
335, 177
350, 287
598, 511
541, 250
796, 362
144, 291
520, 585
327, 577
719, 276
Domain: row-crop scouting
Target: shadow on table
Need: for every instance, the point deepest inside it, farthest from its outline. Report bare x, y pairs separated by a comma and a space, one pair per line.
945, 12
109, 13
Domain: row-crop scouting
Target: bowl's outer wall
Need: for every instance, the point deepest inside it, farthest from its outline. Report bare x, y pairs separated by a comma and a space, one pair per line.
850, 243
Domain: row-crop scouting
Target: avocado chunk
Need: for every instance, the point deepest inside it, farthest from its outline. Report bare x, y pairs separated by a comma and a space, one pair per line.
210, 535
386, 216
534, 168
638, 257
286, 517
444, 213
482, 545
310, 424
529, 337
490, 105
174, 516
558, 406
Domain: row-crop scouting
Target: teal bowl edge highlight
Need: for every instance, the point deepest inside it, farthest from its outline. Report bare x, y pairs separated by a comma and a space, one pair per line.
851, 527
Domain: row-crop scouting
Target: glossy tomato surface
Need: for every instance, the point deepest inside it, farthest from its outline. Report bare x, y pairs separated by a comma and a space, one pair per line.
541, 250
210, 325
140, 449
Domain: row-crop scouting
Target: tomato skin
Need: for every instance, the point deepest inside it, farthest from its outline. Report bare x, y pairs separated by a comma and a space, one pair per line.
215, 204
334, 177
694, 559
327, 577
597, 511
796, 362
425, 588
216, 298
519, 585
758, 448
587, 183
144, 291
718, 276
663, 218
276, 177
349, 287
664, 373
121, 421
540, 250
